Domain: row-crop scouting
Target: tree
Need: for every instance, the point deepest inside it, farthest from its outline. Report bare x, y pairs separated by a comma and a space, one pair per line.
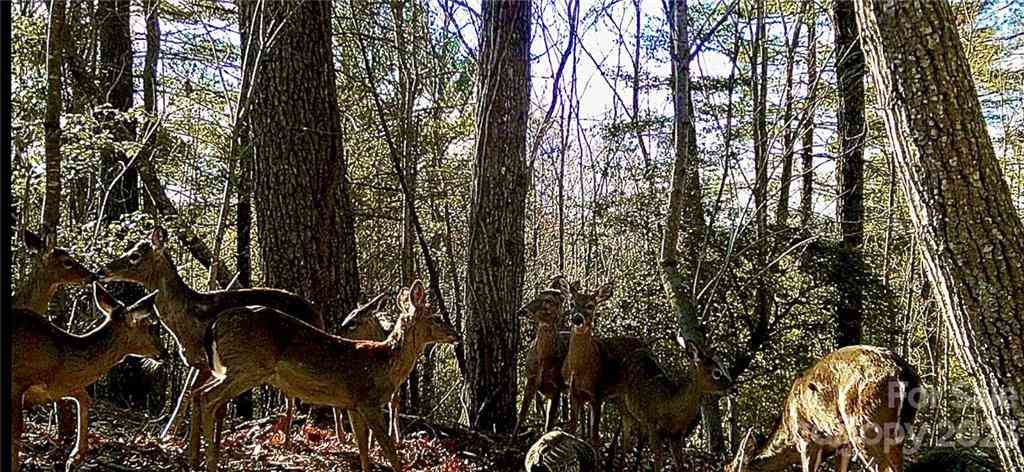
959, 201
850, 175
119, 174
496, 263
305, 218
51, 124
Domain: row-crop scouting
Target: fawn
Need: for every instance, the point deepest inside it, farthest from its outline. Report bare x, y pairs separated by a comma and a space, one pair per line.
594, 367
547, 354
187, 313
667, 409
855, 400
52, 267
250, 346
364, 323
52, 364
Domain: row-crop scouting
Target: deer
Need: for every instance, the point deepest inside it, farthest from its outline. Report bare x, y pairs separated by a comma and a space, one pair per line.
594, 367
666, 409
52, 268
187, 313
547, 354
52, 364
364, 323
250, 346
856, 401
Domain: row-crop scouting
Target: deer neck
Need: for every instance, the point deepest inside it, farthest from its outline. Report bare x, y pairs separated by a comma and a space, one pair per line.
547, 340
176, 297
90, 356
35, 291
405, 351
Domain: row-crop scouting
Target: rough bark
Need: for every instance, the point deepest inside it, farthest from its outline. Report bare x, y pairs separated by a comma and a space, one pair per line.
959, 201
495, 253
118, 90
849, 175
807, 125
306, 221
51, 120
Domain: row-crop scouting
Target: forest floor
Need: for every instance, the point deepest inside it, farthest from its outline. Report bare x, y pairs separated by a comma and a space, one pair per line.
125, 440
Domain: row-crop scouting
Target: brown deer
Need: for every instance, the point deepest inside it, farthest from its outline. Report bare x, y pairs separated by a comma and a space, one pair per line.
547, 354
51, 364
187, 313
857, 400
256, 345
364, 323
594, 368
665, 408
52, 267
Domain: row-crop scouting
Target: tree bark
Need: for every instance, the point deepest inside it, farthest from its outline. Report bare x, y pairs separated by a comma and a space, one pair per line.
959, 201
789, 138
118, 90
51, 120
495, 253
849, 176
306, 221
807, 125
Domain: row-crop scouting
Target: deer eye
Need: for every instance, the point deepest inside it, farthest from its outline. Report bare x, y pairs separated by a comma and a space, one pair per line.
716, 374
67, 264
134, 258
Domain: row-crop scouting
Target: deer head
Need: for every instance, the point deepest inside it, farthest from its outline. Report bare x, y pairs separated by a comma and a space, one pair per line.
55, 263
137, 325
710, 374
546, 307
142, 263
584, 306
418, 320
363, 319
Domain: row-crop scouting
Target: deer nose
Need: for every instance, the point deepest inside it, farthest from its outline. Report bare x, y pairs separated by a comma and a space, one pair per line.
734, 390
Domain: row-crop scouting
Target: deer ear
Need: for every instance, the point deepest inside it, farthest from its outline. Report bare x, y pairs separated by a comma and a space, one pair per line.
32, 241
691, 348
104, 299
158, 237
558, 283
574, 287
417, 295
605, 292
403, 300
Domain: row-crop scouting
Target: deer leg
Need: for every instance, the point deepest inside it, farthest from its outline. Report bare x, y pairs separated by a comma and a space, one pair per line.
396, 407
552, 413
82, 440
208, 402
657, 443
184, 400
375, 420
810, 456
289, 410
843, 456
595, 425
67, 426
339, 419
359, 430
524, 409
17, 427
204, 379
574, 414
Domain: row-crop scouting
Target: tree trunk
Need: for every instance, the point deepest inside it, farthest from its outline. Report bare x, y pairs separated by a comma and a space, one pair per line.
958, 198
807, 125
495, 253
118, 90
849, 176
51, 121
789, 137
306, 221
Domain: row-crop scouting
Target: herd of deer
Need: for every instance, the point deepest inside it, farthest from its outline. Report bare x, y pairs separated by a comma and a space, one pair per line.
855, 402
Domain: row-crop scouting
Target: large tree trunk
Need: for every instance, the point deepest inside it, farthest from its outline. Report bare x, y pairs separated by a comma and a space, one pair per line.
958, 199
850, 175
118, 90
495, 258
306, 221
807, 124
